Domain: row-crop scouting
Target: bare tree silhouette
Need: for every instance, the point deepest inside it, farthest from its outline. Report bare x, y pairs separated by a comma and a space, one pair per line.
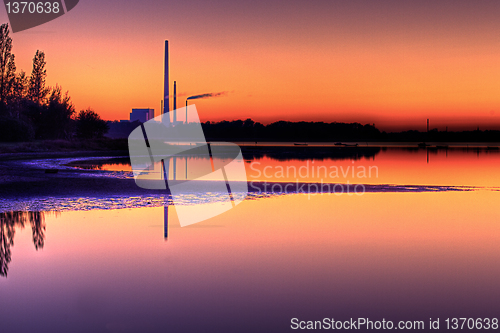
37, 90
7, 64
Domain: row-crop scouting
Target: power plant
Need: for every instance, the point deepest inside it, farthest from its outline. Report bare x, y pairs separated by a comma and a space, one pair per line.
165, 102
142, 115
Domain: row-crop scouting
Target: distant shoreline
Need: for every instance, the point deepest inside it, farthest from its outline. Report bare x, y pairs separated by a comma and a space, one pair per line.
53, 148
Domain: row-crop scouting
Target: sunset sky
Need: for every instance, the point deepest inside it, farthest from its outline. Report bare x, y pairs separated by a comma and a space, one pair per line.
392, 63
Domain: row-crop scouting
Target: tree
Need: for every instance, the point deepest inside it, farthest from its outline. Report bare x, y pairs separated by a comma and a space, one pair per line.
7, 65
17, 99
37, 90
9, 84
89, 125
30, 110
56, 116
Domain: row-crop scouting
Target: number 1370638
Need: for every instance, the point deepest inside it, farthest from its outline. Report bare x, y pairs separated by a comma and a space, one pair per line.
472, 323
33, 7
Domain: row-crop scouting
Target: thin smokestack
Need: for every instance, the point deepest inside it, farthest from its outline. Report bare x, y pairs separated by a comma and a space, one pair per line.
175, 101
166, 83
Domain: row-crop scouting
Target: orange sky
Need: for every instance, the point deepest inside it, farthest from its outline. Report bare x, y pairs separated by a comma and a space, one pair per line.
390, 63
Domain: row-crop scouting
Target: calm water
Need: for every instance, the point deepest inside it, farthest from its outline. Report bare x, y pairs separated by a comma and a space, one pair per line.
396, 255
476, 167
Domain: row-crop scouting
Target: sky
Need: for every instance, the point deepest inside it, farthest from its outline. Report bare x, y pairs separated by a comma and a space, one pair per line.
393, 63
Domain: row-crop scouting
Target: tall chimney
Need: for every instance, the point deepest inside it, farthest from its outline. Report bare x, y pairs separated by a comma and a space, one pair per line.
175, 101
427, 125
166, 83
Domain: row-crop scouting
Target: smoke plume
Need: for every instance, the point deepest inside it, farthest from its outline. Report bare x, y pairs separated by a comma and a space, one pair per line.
207, 95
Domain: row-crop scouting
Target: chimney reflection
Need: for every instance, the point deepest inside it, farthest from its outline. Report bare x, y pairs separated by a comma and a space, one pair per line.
175, 167
165, 221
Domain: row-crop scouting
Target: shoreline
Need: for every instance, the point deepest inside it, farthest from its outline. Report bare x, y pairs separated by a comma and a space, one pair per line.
24, 178
25, 186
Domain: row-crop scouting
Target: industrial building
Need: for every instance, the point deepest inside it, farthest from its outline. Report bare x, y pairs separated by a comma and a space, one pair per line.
142, 115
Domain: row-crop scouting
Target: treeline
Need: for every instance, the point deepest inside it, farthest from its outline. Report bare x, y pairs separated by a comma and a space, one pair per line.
31, 110
248, 130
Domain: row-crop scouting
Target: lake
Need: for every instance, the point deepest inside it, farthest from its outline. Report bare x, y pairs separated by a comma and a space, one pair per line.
422, 244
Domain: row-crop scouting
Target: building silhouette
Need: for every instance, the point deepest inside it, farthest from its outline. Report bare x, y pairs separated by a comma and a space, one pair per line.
142, 115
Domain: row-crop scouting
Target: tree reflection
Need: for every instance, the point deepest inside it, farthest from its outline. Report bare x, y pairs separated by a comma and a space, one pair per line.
37, 222
8, 223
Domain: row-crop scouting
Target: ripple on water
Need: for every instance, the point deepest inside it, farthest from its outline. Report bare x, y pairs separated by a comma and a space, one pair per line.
113, 202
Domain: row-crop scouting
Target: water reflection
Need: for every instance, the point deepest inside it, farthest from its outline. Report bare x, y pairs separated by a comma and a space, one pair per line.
290, 154
181, 163
115, 164
435, 165
9, 222
309, 153
396, 256
165, 222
